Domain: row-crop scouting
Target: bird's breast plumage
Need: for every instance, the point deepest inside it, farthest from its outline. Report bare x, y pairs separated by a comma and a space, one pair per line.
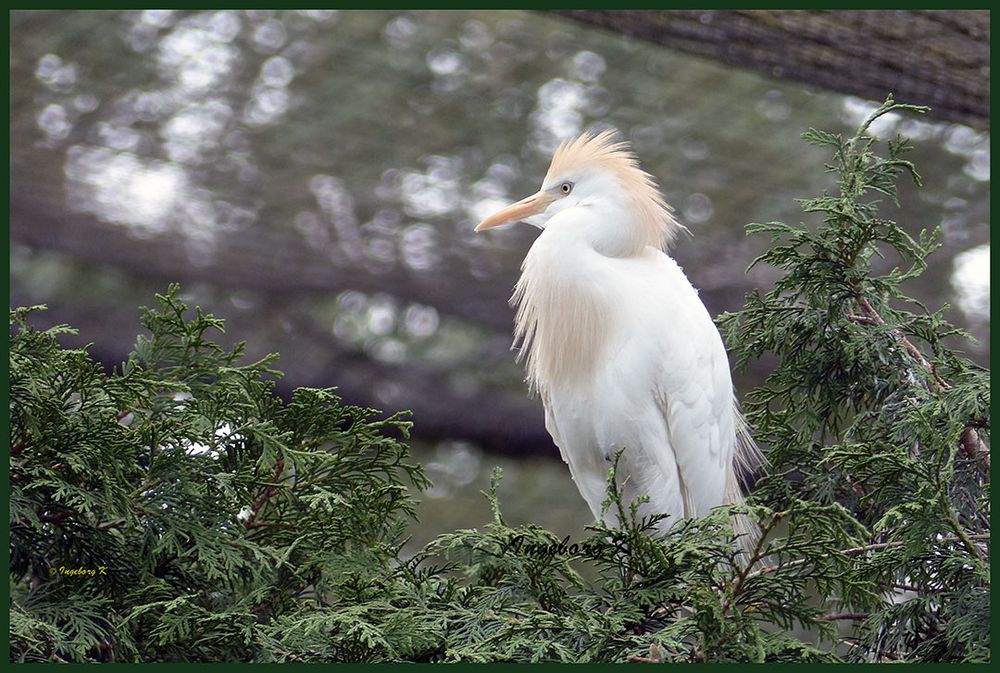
624, 354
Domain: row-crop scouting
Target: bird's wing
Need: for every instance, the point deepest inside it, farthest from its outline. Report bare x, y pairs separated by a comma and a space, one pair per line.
695, 394
553, 428
699, 423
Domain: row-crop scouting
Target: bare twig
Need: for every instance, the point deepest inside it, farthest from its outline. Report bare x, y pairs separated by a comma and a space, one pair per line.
265, 524
835, 616
869, 312
655, 656
268, 493
755, 557
55, 518
916, 589
970, 443
855, 551
162, 564
143, 487
111, 524
972, 446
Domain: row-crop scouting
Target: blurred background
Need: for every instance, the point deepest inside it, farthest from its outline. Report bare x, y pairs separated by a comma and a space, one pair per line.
314, 178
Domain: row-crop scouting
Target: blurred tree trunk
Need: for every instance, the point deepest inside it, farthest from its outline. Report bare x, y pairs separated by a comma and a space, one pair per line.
264, 262
863, 53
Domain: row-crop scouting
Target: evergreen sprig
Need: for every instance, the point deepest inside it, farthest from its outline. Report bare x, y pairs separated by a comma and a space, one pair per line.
211, 513
869, 408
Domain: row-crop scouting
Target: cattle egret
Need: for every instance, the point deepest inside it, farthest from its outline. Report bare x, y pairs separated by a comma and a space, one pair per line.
617, 343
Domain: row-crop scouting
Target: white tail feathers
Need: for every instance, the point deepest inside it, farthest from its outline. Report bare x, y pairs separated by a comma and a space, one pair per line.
747, 457
746, 529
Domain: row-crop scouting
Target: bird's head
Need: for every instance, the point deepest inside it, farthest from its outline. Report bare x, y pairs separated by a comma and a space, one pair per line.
596, 172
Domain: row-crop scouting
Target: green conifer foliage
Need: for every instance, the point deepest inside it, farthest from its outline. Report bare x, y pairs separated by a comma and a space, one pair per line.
178, 510
211, 512
869, 407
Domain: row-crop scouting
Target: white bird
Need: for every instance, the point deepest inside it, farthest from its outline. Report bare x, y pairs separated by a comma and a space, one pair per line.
617, 343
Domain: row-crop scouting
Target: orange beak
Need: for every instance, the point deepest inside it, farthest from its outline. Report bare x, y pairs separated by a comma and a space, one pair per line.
534, 204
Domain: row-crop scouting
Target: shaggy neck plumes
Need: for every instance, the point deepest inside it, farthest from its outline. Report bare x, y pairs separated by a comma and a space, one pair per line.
562, 318
650, 215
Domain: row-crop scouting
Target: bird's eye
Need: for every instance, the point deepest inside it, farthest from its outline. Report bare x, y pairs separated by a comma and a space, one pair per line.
566, 187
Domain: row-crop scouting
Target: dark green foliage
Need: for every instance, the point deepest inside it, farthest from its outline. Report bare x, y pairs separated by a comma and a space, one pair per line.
235, 527
681, 595
222, 516
869, 408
